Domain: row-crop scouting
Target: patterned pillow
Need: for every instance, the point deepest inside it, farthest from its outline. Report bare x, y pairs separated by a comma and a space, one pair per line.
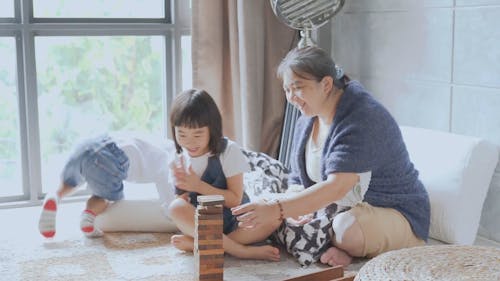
309, 241
268, 179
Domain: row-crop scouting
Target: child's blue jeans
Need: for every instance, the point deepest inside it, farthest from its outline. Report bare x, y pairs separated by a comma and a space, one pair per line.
101, 164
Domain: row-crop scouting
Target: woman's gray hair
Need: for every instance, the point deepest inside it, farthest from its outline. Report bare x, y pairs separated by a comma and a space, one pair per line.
312, 63
309, 63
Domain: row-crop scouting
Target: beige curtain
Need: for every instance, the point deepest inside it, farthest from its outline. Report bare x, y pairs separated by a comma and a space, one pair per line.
236, 47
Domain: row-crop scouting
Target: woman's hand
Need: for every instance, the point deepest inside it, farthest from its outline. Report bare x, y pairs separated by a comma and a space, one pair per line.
253, 214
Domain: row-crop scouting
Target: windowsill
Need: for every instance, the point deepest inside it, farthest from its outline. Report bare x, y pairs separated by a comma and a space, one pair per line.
133, 191
31, 203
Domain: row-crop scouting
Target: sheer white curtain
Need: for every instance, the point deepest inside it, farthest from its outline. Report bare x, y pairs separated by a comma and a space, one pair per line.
236, 47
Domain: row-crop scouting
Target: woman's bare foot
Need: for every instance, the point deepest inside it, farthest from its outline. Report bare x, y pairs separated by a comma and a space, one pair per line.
265, 252
183, 242
335, 256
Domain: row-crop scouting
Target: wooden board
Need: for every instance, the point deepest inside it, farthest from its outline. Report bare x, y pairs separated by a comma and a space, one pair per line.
328, 274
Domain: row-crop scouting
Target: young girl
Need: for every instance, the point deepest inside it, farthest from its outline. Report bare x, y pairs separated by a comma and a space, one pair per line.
104, 163
210, 164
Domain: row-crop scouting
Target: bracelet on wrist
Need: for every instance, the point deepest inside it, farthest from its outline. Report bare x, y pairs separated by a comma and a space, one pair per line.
282, 217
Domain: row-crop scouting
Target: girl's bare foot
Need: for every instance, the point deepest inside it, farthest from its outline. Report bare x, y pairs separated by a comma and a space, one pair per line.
335, 256
183, 242
265, 252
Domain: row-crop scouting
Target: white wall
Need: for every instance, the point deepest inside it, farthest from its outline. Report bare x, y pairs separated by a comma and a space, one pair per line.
433, 63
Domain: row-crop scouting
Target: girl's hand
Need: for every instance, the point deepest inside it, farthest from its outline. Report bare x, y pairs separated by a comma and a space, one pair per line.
253, 214
187, 180
184, 196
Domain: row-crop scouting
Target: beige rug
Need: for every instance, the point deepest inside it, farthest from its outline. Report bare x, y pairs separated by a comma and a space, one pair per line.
25, 255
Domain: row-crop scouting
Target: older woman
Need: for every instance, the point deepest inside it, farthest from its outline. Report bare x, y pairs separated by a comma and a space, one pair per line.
348, 150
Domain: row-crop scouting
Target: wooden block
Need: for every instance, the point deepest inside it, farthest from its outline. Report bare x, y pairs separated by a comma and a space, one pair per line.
209, 247
210, 242
210, 200
209, 236
209, 222
216, 226
211, 252
212, 266
211, 261
211, 270
348, 277
205, 258
323, 275
212, 277
208, 231
208, 210
209, 217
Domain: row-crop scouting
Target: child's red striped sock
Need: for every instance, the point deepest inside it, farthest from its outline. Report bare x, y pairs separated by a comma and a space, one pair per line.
87, 224
47, 222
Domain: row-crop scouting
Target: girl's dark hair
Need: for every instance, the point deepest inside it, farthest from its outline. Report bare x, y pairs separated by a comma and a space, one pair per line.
195, 108
311, 63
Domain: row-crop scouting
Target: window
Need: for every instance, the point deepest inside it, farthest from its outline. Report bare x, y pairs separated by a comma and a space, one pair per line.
87, 68
113, 83
7, 10
10, 151
99, 9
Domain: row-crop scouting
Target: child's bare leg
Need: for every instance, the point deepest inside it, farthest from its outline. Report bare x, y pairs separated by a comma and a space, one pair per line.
252, 235
244, 237
47, 221
266, 252
182, 213
64, 190
95, 206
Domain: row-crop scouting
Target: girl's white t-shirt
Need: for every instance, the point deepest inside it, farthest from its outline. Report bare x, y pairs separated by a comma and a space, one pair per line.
149, 156
233, 161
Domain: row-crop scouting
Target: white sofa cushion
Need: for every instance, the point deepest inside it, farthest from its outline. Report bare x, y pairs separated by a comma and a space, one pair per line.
456, 171
135, 215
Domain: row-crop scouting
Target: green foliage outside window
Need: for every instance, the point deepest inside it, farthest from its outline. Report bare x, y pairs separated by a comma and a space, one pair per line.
91, 84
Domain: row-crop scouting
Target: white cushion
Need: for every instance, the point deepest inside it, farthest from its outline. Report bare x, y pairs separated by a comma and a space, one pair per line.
456, 171
135, 215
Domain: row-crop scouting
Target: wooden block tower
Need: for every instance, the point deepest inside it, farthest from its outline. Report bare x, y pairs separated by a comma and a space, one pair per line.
208, 249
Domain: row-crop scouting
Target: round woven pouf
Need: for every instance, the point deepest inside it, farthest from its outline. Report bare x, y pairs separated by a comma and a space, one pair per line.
439, 262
